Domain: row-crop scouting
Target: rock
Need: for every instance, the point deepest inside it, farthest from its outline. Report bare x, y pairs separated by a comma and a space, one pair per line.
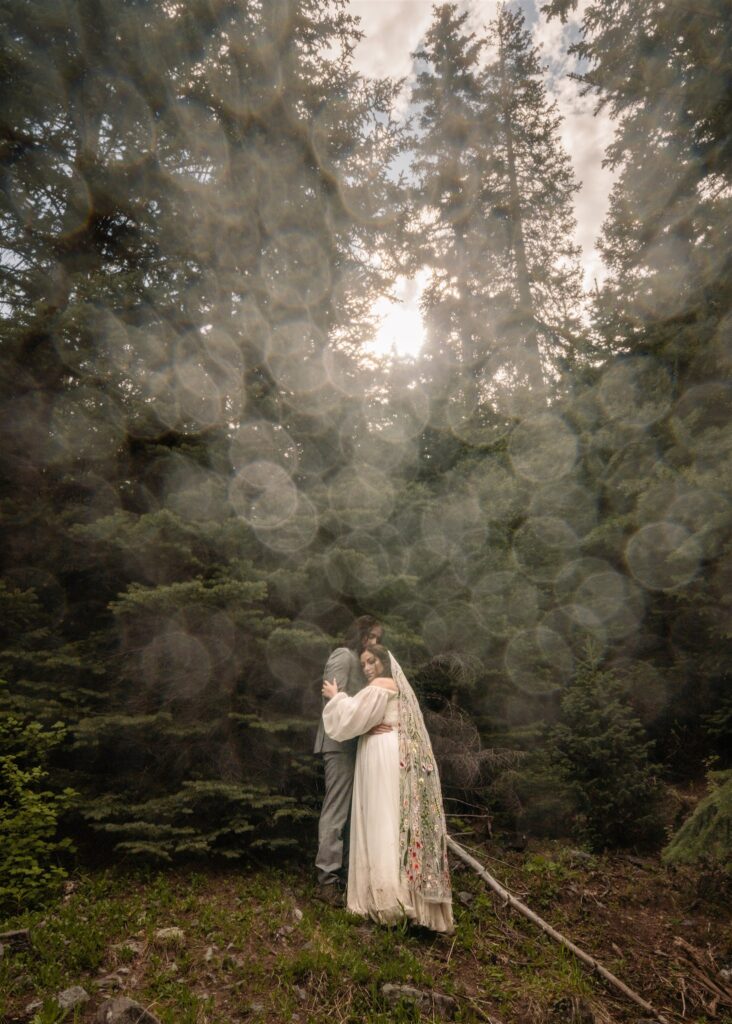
32, 1007
71, 997
466, 898
726, 974
169, 938
19, 939
297, 914
135, 946
69, 890
208, 955
109, 981
301, 994
636, 862
122, 1010
426, 1001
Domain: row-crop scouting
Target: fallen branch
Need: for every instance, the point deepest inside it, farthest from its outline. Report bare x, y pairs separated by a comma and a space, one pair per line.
700, 967
557, 936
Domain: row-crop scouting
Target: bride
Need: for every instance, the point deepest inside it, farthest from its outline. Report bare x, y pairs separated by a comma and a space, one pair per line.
398, 854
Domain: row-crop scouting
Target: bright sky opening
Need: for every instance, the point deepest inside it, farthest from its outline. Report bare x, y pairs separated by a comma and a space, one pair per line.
401, 331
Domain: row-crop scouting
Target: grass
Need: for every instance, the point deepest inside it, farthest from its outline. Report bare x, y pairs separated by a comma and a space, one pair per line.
258, 947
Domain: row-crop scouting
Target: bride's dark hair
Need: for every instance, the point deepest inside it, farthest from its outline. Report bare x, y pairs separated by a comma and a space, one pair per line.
383, 655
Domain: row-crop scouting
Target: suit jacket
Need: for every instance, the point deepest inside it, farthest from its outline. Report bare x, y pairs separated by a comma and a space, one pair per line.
343, 666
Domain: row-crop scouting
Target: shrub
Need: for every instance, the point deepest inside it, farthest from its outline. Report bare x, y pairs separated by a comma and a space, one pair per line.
706, 836
603, 756
534, 798
29, 812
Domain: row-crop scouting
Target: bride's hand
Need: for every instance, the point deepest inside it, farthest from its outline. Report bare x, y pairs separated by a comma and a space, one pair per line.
330, 689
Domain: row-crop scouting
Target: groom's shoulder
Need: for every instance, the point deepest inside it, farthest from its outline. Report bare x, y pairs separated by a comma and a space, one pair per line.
342, 664
343, 655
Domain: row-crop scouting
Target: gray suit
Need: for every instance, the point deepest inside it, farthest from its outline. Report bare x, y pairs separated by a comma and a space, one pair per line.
339, 761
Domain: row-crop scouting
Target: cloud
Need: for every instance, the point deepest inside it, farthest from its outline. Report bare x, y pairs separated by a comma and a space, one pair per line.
586, 137
392, 30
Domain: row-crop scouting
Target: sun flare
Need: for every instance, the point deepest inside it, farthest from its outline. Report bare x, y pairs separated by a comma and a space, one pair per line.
401, 329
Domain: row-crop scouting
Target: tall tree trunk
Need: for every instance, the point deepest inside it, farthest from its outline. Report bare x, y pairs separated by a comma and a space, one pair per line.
470, 355
527, 315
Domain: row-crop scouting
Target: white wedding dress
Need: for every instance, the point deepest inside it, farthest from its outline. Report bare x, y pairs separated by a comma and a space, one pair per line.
375, 888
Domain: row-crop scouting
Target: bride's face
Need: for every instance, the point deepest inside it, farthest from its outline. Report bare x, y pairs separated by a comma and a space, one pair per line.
372, 667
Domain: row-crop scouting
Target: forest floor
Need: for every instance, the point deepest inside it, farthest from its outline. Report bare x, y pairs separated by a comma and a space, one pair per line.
257, 946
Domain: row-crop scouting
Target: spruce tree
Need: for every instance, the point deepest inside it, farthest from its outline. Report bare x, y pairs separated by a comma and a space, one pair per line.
194, 201
502, 311
531, 185
655, 425
496, 189
660, 71
449, 155
603, 756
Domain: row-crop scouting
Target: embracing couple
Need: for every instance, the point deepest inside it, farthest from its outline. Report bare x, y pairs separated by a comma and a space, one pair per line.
382, 825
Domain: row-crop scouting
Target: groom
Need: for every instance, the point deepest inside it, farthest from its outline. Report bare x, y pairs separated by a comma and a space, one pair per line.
339, 760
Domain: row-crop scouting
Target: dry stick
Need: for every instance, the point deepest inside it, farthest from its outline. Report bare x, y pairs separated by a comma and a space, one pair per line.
523, 909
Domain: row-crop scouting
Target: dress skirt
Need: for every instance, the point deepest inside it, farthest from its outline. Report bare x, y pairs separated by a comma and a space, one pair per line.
373, 867
374, 888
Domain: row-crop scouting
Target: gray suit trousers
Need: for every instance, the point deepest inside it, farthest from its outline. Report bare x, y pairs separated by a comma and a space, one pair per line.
332, 859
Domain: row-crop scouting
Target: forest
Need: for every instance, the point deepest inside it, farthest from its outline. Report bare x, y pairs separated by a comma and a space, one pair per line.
207, 472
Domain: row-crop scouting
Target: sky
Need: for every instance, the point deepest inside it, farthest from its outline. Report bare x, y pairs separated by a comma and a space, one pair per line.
394, 28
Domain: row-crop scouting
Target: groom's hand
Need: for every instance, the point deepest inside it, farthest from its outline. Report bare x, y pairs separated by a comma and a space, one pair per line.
378, 729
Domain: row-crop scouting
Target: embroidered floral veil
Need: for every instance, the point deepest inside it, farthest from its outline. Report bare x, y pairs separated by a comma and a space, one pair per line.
422, 830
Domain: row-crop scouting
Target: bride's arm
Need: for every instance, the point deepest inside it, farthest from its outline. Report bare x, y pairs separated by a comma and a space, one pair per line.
388, 684
345, 717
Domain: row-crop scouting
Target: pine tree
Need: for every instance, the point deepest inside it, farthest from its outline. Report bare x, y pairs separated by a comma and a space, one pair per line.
603, 755
448, 161
660, 71
531, 184
200, 213
496, 189
656, 424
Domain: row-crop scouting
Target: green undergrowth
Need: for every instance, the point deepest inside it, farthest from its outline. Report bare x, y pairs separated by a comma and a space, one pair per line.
259, 947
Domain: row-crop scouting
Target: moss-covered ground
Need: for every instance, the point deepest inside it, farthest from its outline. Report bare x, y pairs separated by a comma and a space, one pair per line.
259, 947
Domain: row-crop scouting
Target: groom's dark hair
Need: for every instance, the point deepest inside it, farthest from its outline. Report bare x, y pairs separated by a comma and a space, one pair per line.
357, 633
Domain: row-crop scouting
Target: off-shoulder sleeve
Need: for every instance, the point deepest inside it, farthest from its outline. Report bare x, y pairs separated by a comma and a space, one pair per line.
345, 717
